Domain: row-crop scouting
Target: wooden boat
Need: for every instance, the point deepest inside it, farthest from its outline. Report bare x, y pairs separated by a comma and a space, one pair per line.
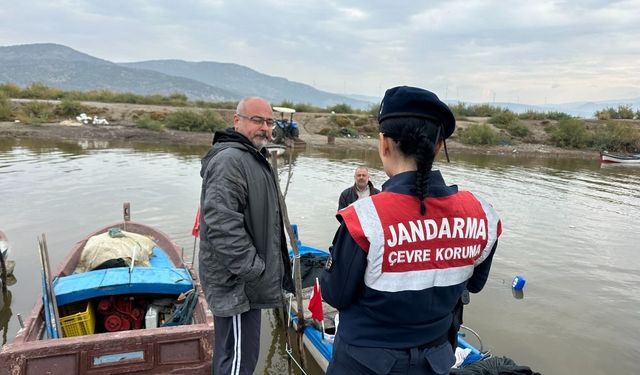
6, 265
606, 157
320, 345
122, 294
4, 245
317, 344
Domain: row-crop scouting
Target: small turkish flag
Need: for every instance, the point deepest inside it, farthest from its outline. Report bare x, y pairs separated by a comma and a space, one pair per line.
315, 303
195, 231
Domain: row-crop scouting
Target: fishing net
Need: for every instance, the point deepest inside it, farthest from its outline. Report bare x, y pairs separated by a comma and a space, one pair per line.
116, 248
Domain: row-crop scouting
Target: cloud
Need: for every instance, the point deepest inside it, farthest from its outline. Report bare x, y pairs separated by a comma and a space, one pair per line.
473, 51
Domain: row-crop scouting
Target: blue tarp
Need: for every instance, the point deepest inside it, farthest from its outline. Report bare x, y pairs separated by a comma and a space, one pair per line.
161, 277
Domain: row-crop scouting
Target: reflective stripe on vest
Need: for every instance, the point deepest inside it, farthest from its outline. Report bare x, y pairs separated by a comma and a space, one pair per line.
408, 251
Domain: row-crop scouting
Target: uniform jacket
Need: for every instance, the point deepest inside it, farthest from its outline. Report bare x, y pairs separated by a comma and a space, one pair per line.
243, 256
395, 275
349, 195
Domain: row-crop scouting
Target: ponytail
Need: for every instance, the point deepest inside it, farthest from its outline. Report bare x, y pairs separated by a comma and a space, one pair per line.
415, 137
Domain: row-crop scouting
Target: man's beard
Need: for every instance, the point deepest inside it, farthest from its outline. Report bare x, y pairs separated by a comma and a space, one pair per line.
260, 140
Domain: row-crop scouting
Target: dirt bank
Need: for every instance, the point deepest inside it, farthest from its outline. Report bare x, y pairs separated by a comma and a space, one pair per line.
122, 129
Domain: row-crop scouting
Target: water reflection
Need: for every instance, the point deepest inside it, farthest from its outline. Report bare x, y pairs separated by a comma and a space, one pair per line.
517, 293
41, 146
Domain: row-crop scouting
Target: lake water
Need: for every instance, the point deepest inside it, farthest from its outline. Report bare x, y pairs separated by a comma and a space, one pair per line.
570, 228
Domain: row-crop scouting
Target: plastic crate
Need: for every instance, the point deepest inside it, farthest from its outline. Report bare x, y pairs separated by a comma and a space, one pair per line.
78, 319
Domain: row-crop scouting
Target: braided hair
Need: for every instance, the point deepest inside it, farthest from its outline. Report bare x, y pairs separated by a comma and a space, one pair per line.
415, 137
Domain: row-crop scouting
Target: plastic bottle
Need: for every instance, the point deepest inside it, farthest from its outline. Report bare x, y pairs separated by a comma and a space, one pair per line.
151, 317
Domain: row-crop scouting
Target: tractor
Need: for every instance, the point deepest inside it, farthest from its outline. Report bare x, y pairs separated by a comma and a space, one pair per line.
284, 128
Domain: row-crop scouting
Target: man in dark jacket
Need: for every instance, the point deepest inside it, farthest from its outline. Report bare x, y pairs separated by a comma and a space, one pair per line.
361, 188
244, 265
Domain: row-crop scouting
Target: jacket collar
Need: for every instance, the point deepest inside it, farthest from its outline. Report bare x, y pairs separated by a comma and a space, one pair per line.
404, 183
369, 186
231, 135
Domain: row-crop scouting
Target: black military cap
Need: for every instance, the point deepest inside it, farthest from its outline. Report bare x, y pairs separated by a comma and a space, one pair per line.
405, 101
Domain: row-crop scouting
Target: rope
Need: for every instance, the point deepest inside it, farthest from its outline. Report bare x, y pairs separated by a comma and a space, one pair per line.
475, 334
290, 354
288, 348
184, 312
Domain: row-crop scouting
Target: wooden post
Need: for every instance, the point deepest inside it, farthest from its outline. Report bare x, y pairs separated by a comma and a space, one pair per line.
297, 277
126, 213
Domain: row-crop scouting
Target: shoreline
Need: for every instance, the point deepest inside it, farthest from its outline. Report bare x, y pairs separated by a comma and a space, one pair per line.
132, 134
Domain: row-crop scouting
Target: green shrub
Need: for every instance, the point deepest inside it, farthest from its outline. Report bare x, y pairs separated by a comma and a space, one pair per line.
340, 108
554, 115
361, 121
177, 99
532, 115
194, 121
11, 90
306, 107
341, 121
285, 103
551, 115
476, 110
146, 122
70, 108
348, 132
41, 91
6, 113
518, 129
370, 130
617, 136
326, 131
373, 110
479, 134
35, 112
503, 119
623, 112
570, 133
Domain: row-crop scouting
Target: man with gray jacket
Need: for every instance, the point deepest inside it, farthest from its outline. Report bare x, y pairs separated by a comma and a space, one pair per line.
244, 264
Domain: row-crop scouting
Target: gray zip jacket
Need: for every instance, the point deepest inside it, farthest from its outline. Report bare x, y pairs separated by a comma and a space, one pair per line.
244, 262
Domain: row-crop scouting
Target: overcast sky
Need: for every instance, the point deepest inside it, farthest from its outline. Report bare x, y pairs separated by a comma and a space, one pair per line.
531, 51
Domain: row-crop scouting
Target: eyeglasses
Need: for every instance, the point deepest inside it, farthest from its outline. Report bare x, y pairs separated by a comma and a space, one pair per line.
258, 120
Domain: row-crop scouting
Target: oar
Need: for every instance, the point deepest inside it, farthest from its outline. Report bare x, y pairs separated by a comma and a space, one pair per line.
52, 293
45, 294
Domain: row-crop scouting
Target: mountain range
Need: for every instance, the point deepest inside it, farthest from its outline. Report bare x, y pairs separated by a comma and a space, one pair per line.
65, 68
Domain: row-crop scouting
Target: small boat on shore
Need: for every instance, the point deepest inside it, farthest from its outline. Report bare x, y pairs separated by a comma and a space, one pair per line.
147, 317
606, 157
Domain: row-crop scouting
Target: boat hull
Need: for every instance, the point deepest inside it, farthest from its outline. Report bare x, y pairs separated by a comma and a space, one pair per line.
163, 350
624, 159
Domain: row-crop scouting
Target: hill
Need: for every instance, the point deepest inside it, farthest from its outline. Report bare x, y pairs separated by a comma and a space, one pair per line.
65, 68
238, 78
